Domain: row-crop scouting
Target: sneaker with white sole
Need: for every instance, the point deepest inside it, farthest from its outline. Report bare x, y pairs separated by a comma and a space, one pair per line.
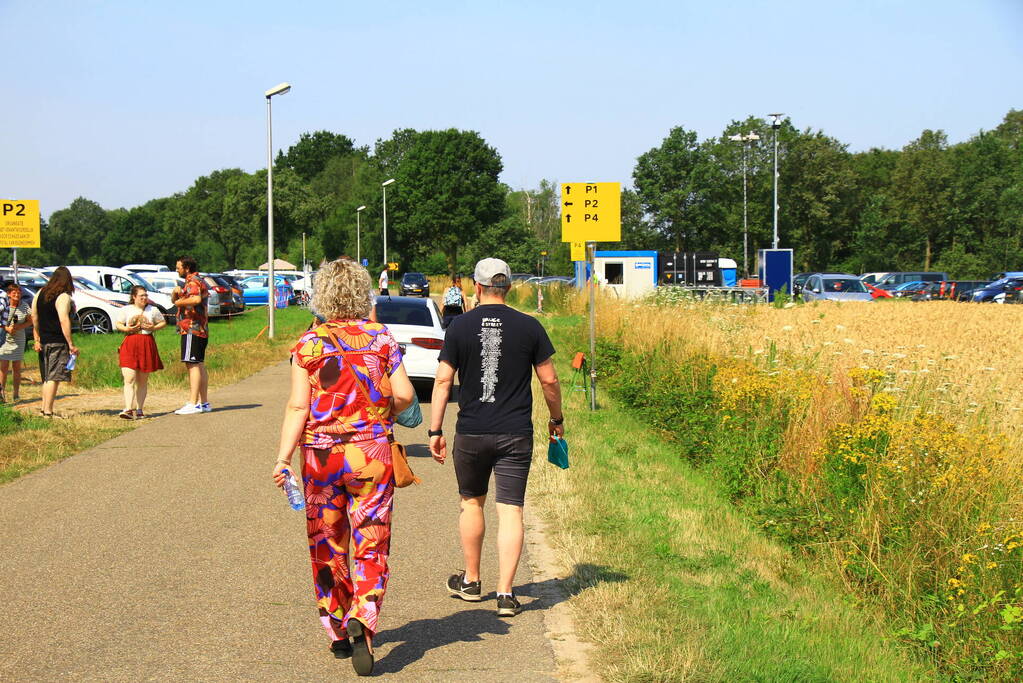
189, 409
206, 407
467, 590
507, 606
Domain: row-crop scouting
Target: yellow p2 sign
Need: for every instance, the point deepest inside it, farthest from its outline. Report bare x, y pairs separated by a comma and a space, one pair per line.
19, 223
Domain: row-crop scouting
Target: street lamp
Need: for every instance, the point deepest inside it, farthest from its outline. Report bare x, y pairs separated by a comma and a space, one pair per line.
384, 185
271, 289
358, 234
775, 125
745, 140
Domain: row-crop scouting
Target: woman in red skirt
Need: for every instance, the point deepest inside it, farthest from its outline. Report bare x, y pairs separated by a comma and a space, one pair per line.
138, 353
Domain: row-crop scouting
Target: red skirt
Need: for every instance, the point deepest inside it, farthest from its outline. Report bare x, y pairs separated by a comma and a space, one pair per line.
139, 352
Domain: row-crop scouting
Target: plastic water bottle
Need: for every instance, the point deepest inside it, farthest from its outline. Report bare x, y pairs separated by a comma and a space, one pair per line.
71, 361
295, 497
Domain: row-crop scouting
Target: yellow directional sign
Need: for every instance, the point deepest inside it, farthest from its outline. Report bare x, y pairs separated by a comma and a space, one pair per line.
392, 266
19, 223
578, 251
591, 212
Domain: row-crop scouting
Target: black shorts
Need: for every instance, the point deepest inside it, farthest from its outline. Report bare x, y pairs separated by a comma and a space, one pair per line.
53, 360
193, 348
508, 456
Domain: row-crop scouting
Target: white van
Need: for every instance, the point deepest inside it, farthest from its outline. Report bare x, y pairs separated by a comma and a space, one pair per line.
121, 281
146, 268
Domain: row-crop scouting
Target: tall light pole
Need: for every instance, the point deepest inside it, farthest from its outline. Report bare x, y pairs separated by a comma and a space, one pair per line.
384, 185
775, 125
745, 140
358, 234
271, 289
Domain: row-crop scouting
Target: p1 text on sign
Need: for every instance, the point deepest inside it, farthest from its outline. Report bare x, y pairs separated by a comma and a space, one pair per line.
19, 223
591, 212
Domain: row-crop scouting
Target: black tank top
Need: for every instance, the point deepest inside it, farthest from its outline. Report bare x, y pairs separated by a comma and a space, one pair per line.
49, 322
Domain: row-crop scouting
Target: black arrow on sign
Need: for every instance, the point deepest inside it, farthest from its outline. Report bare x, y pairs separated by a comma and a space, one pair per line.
568, 218
568, 203
568, 189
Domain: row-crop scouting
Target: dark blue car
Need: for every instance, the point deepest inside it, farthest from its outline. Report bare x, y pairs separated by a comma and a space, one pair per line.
999, 290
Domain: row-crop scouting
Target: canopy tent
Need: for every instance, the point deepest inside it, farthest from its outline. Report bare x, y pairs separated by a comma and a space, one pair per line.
279, 264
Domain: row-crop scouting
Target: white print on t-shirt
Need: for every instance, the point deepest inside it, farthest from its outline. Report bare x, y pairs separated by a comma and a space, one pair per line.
490, 338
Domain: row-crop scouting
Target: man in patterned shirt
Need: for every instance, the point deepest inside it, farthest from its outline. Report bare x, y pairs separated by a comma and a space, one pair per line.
192, 326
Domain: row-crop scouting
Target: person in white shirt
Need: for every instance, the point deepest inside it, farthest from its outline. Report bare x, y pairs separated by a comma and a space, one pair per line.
382, 281
138, 355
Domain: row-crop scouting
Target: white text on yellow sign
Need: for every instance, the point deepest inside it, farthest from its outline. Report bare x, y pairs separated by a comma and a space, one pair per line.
19, 223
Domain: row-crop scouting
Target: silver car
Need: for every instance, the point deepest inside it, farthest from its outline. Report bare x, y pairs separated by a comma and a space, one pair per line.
834, 287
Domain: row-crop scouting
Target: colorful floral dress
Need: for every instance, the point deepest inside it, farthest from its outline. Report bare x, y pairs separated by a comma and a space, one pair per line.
349, 483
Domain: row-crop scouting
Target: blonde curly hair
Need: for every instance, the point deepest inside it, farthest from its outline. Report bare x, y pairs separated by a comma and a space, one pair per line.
342, 291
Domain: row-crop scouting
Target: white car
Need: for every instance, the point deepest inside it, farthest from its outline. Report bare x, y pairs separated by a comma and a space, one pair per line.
164, 282
147, 268
96, 306
415, 324
121, 281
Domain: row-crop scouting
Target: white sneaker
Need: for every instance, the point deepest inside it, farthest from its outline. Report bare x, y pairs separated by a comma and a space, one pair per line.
206, 407
189, 409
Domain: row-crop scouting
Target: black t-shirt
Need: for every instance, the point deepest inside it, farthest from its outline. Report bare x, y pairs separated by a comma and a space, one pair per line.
494, 348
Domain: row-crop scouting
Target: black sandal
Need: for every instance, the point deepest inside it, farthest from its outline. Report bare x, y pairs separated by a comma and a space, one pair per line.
362, 658
342, 649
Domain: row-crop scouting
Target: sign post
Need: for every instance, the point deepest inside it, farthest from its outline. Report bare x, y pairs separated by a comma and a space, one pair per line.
591, 213
19, 226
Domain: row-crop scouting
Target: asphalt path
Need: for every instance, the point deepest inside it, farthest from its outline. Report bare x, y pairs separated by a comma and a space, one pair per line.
168, 554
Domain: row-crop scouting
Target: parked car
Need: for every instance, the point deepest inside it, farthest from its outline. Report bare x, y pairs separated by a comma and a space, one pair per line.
909, 289
222, 298
835, 287
255, 289
557, 280
121, 281
893, 280
96, 307
164, 282
521, 277
416, 325
872, 278
299, 283
877, 292
798, 280
147, 268
997, 291
962, 290
414, 283
29, 277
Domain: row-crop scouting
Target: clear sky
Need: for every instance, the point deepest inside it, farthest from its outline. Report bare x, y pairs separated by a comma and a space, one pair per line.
122, 102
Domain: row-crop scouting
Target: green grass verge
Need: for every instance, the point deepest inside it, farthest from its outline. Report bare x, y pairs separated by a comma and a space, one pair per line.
672, 582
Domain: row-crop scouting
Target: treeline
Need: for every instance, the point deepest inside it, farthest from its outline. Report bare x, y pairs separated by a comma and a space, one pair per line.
446, 210
931, 205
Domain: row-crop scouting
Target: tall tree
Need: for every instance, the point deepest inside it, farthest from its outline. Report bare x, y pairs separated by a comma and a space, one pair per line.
922, 183
447, 193
75, 234
313, 151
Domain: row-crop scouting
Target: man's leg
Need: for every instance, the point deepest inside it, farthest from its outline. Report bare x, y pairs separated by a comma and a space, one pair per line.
196, 375
3, 379
204, 383
509, 544
49, 394
471, 528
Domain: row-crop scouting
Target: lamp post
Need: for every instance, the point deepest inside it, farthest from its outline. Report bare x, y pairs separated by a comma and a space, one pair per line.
745, 140
358, 234
384, 185
271, 289
775, 125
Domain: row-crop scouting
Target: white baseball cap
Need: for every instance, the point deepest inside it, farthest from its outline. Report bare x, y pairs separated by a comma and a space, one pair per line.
490, 267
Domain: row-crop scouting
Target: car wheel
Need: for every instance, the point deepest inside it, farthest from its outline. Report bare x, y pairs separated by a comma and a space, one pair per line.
94, 321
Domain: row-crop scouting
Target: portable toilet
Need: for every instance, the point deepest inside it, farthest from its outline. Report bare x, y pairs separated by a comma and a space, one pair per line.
729, 272
630, 274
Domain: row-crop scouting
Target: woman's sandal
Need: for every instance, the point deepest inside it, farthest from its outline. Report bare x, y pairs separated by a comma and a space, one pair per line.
362, 657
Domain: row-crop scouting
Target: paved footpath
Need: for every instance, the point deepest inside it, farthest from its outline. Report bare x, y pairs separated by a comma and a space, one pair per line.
168, 554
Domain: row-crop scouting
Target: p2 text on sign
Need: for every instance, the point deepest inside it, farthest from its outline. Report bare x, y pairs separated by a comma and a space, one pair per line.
19, 223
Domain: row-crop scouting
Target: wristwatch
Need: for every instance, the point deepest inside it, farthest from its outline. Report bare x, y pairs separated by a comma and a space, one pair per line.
439, 432
557, 421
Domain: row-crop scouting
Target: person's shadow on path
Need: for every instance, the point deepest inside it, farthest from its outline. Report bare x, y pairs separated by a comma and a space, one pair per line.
418, 637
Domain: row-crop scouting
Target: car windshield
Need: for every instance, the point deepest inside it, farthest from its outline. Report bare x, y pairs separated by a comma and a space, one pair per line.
844, 285
402, 312
909, 285
25, 278
414, 279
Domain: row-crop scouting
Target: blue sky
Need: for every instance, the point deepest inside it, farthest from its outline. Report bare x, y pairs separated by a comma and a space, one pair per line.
121, 102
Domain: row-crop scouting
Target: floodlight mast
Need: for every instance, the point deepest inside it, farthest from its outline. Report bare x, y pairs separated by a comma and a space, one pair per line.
271, 290
358, 234
775, 125
384, 186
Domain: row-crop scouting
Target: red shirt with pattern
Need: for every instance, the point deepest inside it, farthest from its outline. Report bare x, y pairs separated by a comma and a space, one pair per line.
193, 318
337, 409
